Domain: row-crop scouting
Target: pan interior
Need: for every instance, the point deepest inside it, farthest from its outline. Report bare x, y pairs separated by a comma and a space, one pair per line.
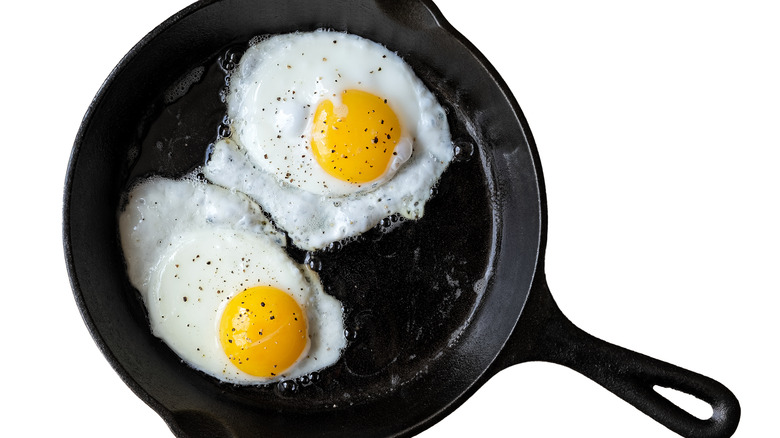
428, 304
408, 287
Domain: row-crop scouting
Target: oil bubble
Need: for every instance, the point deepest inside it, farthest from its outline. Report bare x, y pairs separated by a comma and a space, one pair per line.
229, 60
224, 131
350, 334
312, 262
286, 388
463, 151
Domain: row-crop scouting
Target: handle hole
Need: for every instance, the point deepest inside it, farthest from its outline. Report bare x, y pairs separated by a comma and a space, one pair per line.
689, 403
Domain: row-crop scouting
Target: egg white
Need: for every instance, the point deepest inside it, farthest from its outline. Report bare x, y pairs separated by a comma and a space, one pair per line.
274, 92
190, 247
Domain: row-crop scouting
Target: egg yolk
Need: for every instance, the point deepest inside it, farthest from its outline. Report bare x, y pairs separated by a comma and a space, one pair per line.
355, 140
263, 331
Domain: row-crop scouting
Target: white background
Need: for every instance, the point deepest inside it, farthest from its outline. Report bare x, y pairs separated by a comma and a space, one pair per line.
657, 126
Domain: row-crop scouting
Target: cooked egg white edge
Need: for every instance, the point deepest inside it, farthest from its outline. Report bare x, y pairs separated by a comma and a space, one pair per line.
313, 221
147, 227
213, 242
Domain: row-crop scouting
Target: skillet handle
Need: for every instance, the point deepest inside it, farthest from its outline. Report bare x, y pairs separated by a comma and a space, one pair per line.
545, 334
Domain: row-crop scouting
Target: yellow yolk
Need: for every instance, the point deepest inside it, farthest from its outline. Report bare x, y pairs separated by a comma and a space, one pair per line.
355, 141
263, 331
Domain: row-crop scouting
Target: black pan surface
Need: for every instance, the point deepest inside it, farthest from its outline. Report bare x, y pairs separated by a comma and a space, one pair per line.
433, 307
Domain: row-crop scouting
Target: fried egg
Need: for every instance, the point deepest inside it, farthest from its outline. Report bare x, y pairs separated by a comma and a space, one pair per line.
220, 289
331, 133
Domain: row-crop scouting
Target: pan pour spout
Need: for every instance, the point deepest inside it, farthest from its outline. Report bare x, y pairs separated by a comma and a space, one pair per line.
545, 334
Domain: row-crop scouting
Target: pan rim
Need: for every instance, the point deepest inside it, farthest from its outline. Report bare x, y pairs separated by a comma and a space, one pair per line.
158, 407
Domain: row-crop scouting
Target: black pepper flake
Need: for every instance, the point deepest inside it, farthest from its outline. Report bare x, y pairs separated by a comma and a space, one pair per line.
185, 299
273, 317
262, 304
375, 140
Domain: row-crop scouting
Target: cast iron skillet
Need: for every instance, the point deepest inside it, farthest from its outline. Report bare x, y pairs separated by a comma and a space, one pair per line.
434, 307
